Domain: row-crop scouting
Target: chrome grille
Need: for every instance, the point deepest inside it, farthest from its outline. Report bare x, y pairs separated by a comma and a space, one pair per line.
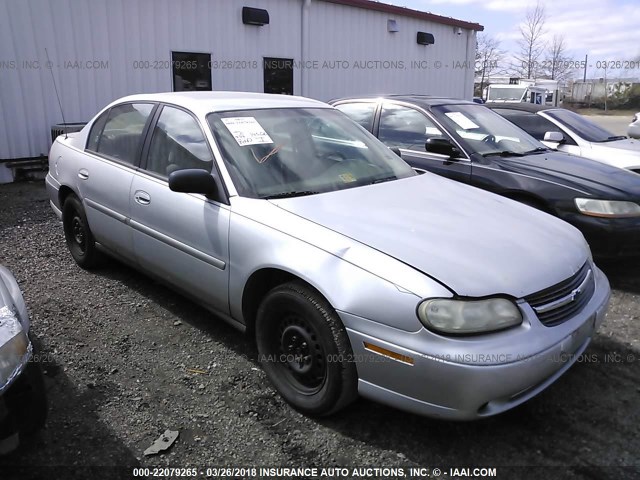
557, 304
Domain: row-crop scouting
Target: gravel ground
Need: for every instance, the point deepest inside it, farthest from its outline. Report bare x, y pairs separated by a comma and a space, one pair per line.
125, 359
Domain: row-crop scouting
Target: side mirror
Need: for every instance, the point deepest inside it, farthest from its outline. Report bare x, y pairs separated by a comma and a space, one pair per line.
441, 146
396, 150
554, 137
193, 180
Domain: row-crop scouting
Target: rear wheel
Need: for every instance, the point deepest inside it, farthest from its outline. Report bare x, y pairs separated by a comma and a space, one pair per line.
305, 351
79, 238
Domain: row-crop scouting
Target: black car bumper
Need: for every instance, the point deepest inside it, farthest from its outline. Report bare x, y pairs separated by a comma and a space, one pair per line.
23, 407
609, 237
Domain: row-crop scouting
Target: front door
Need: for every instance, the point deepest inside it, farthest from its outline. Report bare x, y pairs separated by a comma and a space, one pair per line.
408, 129
180, 237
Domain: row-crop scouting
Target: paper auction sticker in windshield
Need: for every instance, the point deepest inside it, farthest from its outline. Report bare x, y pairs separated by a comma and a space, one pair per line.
246, 131
461, 120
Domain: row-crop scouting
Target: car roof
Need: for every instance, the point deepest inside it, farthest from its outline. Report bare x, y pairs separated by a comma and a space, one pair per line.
202, 103
426, 101
522, 106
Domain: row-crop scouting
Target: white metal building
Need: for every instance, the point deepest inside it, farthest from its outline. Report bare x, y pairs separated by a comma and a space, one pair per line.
99, 50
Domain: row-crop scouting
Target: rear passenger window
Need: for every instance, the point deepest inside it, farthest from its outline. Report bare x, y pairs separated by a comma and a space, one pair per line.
122, 132
96, 131
177, 143
361, 113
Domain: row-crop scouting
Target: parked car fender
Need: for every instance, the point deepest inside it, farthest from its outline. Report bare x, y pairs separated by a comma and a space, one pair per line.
354, 268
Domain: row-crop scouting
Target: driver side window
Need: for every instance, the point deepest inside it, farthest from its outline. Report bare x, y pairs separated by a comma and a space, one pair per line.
535, 125
405, 127
177, 144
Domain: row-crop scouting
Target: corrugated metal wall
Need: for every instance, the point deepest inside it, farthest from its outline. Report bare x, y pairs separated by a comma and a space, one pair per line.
93, 45
357, 35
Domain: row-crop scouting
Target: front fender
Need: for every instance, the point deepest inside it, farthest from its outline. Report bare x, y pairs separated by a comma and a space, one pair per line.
332, 270
11, 296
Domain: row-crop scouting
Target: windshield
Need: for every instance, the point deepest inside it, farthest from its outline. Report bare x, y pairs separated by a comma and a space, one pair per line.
581, 126
506, 93
273, 153
484, 132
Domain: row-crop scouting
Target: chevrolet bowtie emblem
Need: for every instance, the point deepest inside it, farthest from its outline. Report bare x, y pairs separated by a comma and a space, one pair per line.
575, 293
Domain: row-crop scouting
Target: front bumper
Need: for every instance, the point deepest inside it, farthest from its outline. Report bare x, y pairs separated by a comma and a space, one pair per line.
22, 407
608, 237
472, 377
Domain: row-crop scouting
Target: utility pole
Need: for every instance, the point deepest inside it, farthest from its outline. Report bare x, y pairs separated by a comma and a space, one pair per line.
605, 86
586, 59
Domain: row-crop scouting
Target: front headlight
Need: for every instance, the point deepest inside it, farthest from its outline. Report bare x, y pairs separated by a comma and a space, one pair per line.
15, 348
607, 208
469, 316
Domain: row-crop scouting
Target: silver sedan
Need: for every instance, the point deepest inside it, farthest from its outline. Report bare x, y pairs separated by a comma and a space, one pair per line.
355, 274
23, 406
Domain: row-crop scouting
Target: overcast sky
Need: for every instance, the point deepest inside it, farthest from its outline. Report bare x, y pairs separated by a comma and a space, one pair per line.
603, 29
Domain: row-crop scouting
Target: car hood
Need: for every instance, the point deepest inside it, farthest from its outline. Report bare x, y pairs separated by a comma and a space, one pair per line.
588, 176
474, 242
622, 153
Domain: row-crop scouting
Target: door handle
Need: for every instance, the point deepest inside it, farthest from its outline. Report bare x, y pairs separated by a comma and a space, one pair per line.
142, 198
83, 174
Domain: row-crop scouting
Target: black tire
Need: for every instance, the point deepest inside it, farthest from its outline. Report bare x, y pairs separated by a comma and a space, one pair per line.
78, 235
294, 320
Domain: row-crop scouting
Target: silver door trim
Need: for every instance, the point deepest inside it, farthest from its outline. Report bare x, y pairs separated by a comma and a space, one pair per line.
107, 211
183, 247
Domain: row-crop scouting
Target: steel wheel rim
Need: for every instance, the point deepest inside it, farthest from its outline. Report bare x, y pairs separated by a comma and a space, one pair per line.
78, 232
301, 356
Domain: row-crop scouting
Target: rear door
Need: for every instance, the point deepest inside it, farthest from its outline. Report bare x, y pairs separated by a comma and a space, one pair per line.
180, 237
105, 176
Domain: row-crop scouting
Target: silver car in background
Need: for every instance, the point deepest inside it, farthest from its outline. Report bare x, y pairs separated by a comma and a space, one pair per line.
572, 133
634, 127
354, 273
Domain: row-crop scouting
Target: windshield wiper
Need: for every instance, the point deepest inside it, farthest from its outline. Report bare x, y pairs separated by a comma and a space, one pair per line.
536, 150
616, 137
503, 153
384, 179
294, 193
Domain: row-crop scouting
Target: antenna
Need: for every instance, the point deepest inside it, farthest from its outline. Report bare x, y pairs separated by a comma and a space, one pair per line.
50, 65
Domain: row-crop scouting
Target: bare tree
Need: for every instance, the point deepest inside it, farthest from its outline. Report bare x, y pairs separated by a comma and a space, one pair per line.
531, 43
558, 66
488, 56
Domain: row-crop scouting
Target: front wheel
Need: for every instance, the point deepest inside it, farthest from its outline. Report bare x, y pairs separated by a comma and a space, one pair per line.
78, 235
305, 351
